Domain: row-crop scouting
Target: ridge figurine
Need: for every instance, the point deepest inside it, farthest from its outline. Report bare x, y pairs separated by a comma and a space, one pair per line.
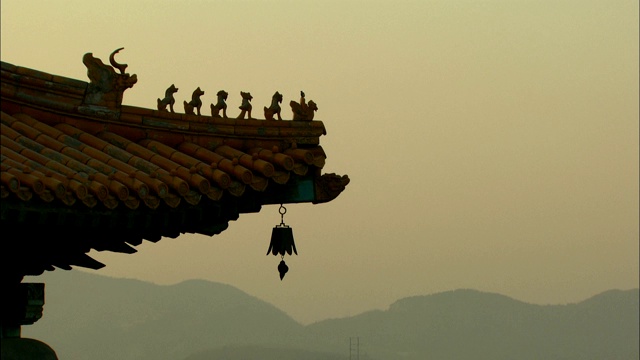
246, 105
194, 103
168, 99
220, 105
274, 108
303, 111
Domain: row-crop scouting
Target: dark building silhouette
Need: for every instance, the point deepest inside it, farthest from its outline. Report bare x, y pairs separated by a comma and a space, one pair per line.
82, 171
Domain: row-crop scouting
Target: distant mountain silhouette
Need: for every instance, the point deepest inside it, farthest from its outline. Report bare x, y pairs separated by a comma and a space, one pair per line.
468, 324
262, 353
89, 316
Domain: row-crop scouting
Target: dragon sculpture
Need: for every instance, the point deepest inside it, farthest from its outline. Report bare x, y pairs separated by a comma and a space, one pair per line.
106, 86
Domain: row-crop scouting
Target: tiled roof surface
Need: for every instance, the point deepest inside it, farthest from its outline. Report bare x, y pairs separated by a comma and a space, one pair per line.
52, 150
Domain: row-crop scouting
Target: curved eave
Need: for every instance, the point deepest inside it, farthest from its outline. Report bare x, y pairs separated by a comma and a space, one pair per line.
106, 178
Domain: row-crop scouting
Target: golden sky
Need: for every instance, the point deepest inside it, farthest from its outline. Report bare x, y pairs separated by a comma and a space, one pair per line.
490, 144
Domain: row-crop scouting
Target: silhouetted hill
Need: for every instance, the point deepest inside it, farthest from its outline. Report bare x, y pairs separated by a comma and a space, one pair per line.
89, 316
262, 353
468, 324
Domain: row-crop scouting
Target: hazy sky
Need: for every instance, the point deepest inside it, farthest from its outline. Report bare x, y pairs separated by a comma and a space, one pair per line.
491, 144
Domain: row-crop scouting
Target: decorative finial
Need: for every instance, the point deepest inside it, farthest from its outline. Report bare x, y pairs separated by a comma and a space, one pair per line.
329, 186
106, 86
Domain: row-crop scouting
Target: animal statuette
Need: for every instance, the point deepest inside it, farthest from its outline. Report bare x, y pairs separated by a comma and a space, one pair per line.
245, 106
329, 186
274, 108
168, 99
195, 102
220, 105
303, 111
106, 86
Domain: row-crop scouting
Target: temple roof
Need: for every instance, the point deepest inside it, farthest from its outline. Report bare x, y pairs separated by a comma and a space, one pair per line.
104, 174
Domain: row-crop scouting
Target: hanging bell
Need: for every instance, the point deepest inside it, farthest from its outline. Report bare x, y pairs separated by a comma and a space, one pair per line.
282, 237
282, 241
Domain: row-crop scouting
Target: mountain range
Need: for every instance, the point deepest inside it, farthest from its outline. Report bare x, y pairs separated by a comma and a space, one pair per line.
89, 316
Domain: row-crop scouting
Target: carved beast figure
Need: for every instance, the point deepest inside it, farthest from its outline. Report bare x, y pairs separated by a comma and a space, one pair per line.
220, 105
329, 186
274, 108
106, 87
246, 105
168, 99
195, 102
